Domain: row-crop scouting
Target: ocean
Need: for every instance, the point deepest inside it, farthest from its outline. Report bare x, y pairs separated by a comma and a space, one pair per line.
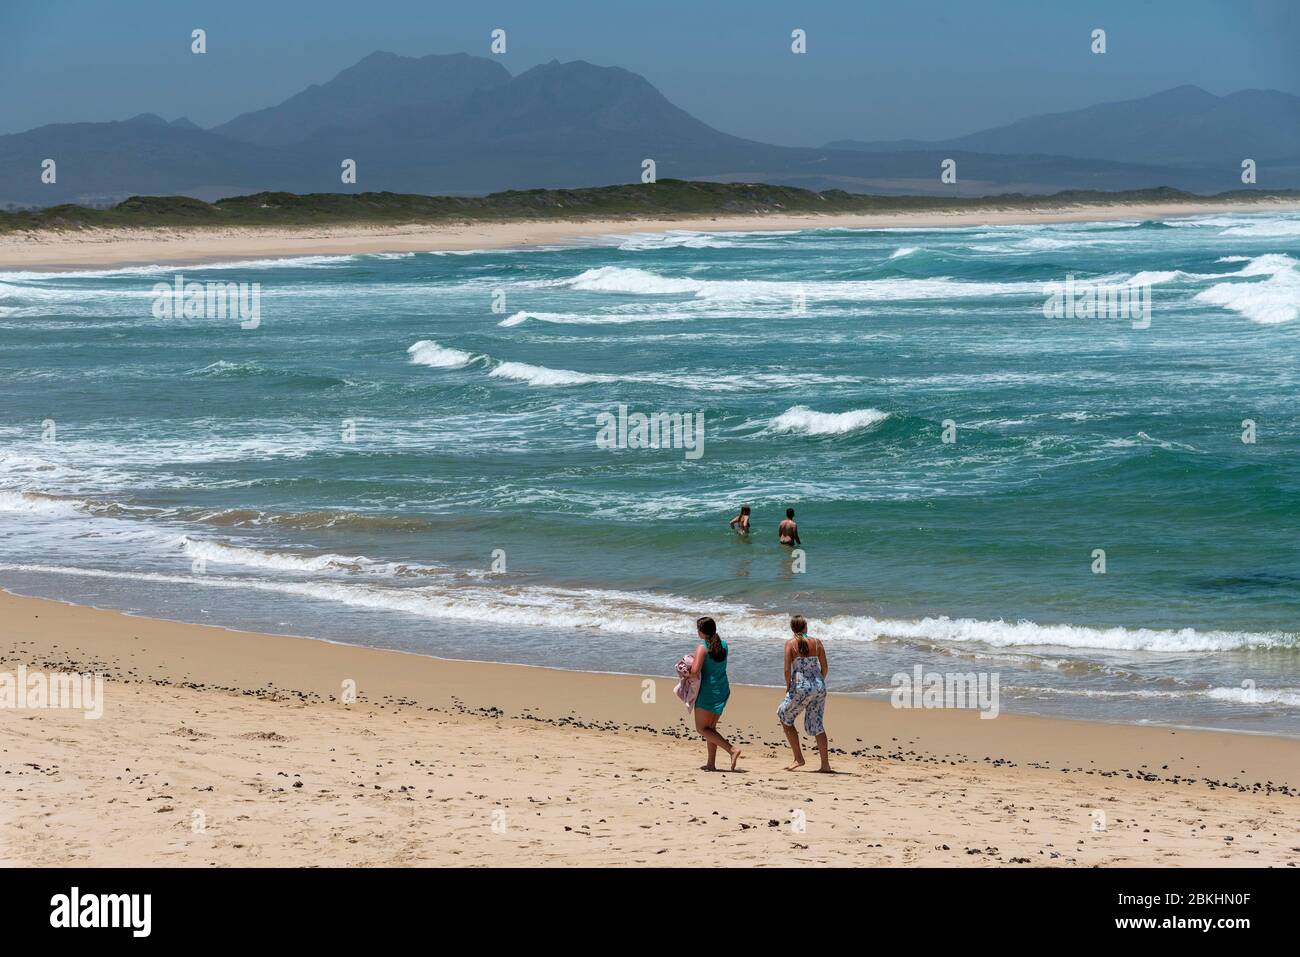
406, 451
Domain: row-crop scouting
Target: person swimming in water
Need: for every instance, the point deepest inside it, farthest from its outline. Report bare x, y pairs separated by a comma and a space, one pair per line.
741, 522
788, 530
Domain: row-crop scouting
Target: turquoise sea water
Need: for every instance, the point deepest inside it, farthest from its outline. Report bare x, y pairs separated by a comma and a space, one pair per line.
350, 467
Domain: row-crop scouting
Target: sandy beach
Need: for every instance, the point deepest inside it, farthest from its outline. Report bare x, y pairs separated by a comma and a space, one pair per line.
226, 748
85, 249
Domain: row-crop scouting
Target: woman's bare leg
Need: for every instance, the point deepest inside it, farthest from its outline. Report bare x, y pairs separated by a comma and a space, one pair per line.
706, 727
792, 736
710, 763
716, 740
823, 748
703, 725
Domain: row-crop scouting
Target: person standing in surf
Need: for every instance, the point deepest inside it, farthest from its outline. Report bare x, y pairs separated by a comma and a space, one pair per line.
741, 522
788, 530
710, 666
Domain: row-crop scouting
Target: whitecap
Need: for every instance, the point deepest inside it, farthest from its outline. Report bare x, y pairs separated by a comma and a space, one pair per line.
429, 353
803, 420
1273, 301
542, 376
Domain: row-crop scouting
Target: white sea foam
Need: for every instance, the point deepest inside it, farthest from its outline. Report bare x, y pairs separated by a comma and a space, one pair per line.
1265, 228
224, 367
1156, 277
224, 553
618, 279
36, 504
638, 281
1289, 697
1269, 264
1262, 697
1167, 444
19, 464
1034, 244
429, 353
287, 262
902, 251
426, 352
499, 251
1217, 220
542, 376
598, 319
45, 505
803, 420
1273, 301
221, 553
690, 239
672, 239
644, 613
519, 318
1027, 633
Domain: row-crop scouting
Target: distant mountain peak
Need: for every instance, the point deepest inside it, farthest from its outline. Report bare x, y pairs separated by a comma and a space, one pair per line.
378, 84
1187, 96
146, 119
1187, 89
579, 67
1182, 126
383, 60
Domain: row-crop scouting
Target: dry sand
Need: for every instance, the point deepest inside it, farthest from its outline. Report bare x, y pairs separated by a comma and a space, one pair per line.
227, 748
76, 249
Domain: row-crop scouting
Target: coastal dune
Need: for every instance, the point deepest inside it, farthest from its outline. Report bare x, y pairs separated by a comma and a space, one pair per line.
227, 748
116, 246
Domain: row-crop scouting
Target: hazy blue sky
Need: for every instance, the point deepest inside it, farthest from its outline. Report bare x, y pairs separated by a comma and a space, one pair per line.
874, 69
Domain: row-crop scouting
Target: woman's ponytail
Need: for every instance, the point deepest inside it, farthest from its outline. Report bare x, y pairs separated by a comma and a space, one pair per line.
799, 625
709, 629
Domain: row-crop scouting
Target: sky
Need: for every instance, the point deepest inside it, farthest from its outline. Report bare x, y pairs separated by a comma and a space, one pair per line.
874, 69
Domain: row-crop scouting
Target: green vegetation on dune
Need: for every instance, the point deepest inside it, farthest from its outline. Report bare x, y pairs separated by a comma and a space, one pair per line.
667, 198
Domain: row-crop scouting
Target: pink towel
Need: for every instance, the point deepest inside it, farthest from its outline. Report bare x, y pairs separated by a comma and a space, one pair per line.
689, 686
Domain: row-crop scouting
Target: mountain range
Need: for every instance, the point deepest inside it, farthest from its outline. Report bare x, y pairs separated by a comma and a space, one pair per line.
463, 125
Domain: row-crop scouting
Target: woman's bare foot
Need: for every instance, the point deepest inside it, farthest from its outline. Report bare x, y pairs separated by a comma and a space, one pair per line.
825, 769
735, 756
707, 767
796, 766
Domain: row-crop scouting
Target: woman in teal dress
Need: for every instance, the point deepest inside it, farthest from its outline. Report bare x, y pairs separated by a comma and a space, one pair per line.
710, 666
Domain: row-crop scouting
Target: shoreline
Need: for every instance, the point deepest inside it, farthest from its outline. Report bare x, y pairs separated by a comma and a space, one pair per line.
8, 591
248, 731
118, 247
